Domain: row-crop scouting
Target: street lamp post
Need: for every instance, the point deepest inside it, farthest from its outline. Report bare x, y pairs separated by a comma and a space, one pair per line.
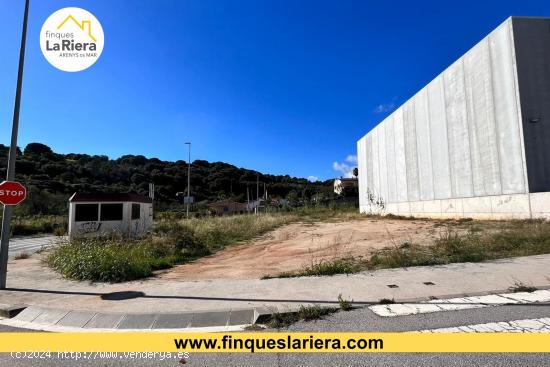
10, 176
188, 179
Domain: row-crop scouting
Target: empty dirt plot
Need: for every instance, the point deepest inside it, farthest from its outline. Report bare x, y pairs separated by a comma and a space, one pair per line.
294, 246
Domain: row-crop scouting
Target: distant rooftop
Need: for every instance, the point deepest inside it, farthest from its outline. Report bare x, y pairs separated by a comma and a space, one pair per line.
109, 197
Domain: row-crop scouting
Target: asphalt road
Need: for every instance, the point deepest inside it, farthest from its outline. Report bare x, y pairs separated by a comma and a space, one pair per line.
30, 245
356, 320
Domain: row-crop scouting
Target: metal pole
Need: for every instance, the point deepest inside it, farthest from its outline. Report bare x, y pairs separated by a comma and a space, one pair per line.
188, 180
8, 209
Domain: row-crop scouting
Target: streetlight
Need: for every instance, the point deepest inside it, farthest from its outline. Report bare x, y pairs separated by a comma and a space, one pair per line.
8, 209
188, 179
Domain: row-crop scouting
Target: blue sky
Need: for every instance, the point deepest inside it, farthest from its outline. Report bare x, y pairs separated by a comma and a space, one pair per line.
282, 87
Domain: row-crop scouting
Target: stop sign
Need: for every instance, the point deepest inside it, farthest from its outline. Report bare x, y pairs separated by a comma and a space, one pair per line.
12, 193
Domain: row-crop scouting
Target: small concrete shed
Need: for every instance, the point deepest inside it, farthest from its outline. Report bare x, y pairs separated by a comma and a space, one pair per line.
98, 214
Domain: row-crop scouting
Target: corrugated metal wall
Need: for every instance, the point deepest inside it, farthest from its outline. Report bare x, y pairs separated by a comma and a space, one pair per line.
459, 137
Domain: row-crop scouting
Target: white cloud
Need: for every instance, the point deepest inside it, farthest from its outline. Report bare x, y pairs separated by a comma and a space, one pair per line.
384, 107
313, 178
345, 169
352, 158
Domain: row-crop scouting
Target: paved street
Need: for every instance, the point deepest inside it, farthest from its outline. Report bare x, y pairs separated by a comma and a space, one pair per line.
29, 245
521, 317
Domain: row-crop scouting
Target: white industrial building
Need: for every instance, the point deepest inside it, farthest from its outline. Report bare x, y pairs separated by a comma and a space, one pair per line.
474, 142
101, 214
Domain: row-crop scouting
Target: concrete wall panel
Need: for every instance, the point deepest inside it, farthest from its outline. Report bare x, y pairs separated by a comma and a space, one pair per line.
400, 162
369, 163
411, 155
438, 140
383, 167
361, 158
457, 131
390, 160
421, 113
375, 188
481, 121
506, 111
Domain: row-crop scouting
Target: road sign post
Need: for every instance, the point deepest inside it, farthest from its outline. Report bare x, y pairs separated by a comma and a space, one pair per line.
10, 176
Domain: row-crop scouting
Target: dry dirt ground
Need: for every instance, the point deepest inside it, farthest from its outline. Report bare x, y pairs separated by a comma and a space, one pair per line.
294, 246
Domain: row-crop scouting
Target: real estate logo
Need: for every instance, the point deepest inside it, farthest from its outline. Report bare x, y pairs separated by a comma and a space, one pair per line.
71, 39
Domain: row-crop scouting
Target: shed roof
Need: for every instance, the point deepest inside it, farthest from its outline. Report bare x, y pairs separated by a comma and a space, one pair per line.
109, 197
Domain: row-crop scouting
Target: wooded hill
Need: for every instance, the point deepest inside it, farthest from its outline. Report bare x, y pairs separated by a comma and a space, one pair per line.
51, 178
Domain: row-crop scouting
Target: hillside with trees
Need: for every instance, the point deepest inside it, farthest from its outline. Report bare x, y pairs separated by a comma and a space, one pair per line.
51, 178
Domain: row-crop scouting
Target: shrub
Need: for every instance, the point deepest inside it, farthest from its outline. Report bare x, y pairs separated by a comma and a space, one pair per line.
345, 305
22, 255
110, 259
521, 287
304, 313
25, 226
332, 267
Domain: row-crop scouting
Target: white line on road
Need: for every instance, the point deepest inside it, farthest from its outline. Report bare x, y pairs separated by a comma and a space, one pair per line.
518, 326
463, 303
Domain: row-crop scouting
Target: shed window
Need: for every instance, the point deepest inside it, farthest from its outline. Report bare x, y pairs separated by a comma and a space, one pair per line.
86, 212
111, 212
135, 211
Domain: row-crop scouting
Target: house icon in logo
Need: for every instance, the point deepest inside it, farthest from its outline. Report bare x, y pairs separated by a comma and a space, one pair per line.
85, 26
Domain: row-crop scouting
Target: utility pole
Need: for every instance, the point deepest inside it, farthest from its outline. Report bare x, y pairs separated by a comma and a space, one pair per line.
247, 200
8, 209
188, 179
257, 192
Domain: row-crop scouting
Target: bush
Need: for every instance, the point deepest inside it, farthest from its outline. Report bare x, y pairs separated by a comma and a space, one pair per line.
26, 226
345, 304
333, 267
110, 259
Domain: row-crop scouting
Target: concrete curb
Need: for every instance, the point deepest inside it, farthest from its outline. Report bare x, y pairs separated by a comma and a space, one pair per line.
10, 311
90, 320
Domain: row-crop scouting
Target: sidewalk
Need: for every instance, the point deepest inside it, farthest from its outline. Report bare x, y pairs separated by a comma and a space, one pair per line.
30, 283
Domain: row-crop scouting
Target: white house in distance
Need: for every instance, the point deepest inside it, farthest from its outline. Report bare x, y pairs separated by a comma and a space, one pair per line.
100, 214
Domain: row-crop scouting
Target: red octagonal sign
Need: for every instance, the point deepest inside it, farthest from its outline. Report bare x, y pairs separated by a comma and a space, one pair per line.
12, 193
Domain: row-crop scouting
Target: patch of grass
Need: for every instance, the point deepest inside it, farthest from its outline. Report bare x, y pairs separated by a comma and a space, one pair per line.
22, 255
345, 265
345, 305
26, 226
215, 233
516, 238
116, 259
254, 327
521, 287
305, 313
399, 217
